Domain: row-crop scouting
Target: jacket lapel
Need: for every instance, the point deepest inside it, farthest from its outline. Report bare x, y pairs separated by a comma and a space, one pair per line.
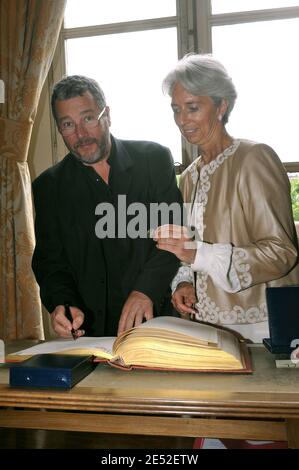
123, 169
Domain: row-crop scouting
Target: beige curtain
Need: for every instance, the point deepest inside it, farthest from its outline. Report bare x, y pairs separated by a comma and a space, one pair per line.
29, 31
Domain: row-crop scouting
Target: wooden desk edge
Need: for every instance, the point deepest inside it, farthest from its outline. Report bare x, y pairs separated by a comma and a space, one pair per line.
148, 425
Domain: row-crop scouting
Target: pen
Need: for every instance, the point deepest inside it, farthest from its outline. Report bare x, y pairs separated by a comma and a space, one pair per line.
69, 317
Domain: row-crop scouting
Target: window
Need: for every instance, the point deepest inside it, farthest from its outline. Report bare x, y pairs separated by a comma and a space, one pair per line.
128, 46
230, 6
258, 44
115, 11
266, 74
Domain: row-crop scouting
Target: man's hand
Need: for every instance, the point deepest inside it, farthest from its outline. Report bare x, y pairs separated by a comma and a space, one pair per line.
138, 307
177, 240
184, 298
62, 326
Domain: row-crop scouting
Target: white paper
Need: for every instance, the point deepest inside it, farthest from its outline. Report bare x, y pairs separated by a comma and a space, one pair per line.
185, 327
59, 345
295, 356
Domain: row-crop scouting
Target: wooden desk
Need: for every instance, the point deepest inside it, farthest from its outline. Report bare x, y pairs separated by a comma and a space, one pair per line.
264, 405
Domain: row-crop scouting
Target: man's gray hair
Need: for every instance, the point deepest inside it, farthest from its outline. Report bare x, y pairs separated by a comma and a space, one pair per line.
202, 75
76, 85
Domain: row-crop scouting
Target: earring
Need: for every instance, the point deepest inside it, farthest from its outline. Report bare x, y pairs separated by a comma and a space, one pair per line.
220, 117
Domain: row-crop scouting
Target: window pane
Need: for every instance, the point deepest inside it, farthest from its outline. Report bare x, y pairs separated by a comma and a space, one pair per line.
229, 6
92, 12
262, 61
294, 180
130, 68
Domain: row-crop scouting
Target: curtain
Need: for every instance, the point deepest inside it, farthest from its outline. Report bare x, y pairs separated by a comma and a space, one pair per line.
29, 31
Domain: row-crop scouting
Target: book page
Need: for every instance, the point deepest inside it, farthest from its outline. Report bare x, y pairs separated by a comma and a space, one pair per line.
230, 344
176, 343
99, 346
195, 330
166, 336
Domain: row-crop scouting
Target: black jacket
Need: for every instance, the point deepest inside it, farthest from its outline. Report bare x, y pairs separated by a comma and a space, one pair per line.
70, 261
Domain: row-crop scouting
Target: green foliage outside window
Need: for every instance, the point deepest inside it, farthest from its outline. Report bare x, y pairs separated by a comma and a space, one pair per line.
295, 197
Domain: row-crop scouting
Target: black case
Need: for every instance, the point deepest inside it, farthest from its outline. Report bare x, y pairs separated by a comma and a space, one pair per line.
283, 312
50, 370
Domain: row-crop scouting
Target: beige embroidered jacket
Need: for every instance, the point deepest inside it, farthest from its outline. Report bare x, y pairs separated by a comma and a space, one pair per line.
240, 204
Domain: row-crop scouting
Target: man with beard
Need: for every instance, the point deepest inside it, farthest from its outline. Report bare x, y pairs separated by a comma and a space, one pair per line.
110, 283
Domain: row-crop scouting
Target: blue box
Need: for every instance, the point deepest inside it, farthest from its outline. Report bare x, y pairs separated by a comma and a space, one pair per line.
51, 371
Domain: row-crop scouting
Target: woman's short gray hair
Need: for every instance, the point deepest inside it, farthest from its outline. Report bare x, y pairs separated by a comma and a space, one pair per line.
202, 75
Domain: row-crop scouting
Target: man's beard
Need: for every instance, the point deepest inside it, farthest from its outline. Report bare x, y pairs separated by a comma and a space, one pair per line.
102, 152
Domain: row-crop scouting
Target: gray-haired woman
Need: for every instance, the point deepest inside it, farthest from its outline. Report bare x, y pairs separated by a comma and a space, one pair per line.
238, 197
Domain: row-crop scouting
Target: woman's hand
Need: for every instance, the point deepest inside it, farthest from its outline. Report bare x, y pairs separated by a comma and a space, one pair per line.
177, 240
184, 298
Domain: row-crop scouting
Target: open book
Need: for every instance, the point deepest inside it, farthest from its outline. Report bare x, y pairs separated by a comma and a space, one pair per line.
161, 343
